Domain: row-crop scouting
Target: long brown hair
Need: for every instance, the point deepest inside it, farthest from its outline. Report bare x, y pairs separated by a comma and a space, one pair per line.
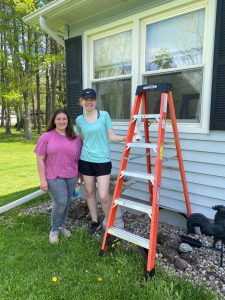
70, 133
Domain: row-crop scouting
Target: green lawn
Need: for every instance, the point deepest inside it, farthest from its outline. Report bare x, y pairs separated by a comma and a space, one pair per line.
29, 264
18, 171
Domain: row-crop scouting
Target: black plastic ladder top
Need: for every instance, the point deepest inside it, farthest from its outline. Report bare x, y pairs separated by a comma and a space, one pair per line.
162, 87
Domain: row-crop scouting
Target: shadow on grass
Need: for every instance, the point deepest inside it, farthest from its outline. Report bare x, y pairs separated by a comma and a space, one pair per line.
17, 136
15, 196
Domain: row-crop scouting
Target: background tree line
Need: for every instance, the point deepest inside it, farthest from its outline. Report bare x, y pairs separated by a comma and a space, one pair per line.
32, 69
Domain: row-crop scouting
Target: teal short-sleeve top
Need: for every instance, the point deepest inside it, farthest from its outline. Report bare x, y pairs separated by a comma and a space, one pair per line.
95, 138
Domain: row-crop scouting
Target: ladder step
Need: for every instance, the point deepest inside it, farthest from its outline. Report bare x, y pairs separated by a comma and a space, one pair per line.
130, 237
138, 175
134, 205
147, 116
142, 145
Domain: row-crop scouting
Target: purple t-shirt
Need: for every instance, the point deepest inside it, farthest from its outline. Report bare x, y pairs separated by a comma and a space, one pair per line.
61, 154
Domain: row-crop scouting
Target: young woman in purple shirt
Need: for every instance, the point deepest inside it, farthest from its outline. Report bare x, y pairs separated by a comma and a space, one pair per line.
58, 152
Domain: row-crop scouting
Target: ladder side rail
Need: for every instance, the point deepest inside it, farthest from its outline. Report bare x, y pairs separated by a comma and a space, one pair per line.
147, 140
179, 154
123, 165
157, 184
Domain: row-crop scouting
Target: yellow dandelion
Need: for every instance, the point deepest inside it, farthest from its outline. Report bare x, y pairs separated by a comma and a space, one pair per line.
100, 279
54, 279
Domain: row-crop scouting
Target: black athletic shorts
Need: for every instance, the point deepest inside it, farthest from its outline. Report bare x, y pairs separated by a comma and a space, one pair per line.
94, 169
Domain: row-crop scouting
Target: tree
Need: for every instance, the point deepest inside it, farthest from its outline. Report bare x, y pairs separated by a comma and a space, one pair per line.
30, 67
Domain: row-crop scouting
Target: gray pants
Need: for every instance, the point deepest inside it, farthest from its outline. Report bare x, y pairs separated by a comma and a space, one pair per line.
60, 190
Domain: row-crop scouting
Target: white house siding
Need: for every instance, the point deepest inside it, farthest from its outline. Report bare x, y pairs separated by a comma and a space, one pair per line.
204, 163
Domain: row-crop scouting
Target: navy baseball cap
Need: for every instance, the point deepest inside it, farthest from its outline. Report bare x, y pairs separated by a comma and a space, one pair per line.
88, 93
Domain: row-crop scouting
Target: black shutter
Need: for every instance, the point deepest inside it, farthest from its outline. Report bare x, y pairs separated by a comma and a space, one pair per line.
217, 120
74, 75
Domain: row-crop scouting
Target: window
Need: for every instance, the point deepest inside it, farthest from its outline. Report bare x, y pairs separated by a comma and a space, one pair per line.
174, 54
114, 96
112, 55
186, 94
112, 69
170, 43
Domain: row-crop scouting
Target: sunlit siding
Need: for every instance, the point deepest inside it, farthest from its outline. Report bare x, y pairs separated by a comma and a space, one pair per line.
204, 163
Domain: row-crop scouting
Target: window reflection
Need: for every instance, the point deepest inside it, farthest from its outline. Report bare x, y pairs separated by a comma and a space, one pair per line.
112, 55
114, 97
186, 93
175, 42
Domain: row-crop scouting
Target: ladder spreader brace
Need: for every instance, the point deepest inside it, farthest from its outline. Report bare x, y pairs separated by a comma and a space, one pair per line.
154, 180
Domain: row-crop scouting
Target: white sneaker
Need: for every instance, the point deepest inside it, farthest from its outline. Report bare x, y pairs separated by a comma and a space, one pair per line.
65, 232
54, 237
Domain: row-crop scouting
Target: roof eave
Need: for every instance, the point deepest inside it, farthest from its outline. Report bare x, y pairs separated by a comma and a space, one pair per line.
33, 18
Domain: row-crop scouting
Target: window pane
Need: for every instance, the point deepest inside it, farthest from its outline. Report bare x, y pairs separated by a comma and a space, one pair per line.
114, 97
186, 94
112, 55
175, 42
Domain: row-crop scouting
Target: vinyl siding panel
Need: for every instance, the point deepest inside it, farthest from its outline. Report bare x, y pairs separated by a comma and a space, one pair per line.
204, 163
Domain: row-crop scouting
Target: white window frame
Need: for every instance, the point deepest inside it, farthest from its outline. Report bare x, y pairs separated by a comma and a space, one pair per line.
137, 23
88, 39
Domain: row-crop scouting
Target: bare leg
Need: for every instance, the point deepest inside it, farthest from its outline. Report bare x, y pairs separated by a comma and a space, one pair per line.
89, 183
103, 193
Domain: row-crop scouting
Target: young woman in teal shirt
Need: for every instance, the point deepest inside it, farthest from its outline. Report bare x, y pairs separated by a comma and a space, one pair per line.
95, 129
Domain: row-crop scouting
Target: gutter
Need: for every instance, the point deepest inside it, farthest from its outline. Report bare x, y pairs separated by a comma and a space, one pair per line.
50, 32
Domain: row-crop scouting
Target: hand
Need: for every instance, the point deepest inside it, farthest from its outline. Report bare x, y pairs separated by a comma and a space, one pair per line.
124, 138
80, 179
136, 137
44, 186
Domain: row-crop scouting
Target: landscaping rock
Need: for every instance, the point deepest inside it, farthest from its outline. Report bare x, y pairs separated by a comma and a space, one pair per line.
185, 248
191, 258
180, 263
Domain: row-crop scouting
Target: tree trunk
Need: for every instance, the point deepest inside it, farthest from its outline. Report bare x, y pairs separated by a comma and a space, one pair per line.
2, 116
27, 121
18, 120
21, 117
39, 120
48, 93
61, 85
34, 112
53, 76
48, 99
53, 87
7, 122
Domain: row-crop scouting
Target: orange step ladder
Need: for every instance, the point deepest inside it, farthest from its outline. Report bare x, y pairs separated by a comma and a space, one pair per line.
154, 181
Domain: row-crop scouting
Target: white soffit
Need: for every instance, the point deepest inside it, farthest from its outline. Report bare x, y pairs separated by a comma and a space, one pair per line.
60, 13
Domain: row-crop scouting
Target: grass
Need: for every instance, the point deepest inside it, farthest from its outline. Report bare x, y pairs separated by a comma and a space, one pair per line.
18, 169
29, 263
